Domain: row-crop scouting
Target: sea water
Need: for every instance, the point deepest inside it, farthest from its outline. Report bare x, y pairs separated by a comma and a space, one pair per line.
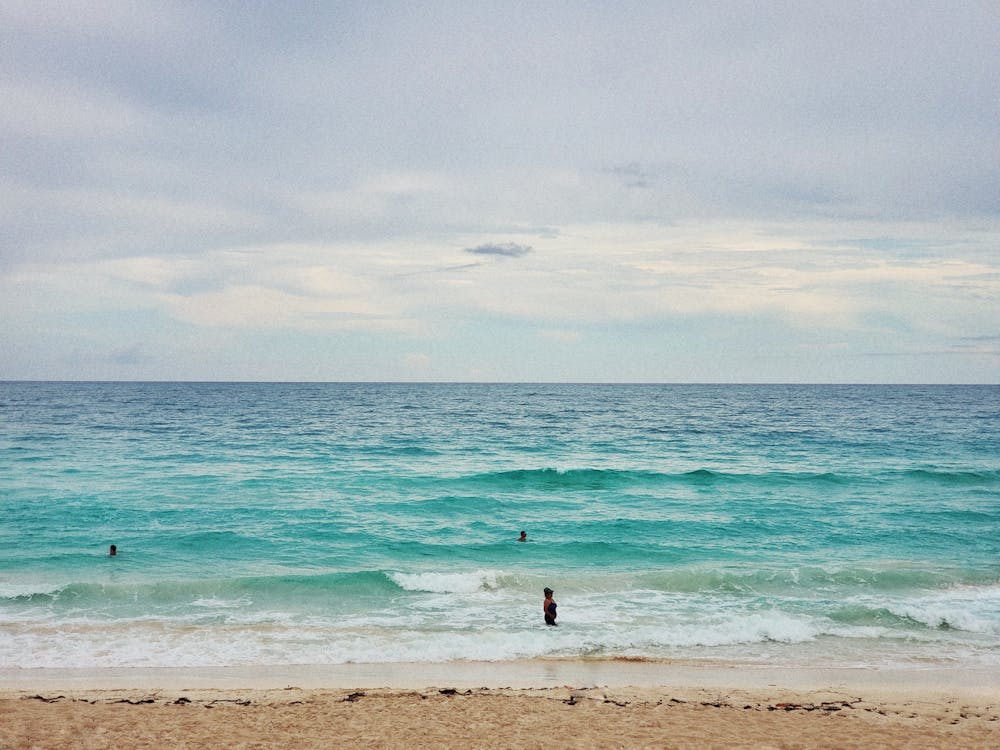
275, 524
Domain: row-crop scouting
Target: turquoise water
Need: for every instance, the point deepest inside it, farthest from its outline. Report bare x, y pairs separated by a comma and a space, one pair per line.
332, 523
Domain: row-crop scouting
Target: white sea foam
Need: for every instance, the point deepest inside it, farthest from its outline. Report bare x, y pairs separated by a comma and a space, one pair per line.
475, 631
214, 602
9, 590
492, 615
975, 609
449, 583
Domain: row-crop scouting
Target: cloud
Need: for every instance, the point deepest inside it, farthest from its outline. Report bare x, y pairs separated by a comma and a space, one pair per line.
634, 175
504, 250
737, 175
264, 308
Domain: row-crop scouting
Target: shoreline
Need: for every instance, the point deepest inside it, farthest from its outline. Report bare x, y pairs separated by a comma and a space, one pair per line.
933, 679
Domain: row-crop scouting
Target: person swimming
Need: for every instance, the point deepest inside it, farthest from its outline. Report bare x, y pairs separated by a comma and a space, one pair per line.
549, 607
523, 537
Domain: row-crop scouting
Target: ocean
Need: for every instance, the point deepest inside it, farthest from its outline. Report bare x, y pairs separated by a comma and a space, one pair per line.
309, 523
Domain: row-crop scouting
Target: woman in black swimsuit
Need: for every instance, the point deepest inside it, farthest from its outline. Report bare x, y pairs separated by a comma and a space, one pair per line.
549, 608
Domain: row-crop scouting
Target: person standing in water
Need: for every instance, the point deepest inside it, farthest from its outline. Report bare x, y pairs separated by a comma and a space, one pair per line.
549, 607
523, 537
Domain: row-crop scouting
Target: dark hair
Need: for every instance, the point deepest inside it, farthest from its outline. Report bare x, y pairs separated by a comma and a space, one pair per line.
547, 591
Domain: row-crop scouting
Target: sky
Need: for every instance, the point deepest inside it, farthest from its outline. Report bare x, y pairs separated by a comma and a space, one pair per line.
500, 191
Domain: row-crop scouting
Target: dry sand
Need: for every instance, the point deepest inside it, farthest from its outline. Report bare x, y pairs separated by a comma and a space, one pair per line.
767, 709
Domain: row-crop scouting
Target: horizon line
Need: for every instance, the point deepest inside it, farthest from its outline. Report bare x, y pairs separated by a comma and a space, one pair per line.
96, 381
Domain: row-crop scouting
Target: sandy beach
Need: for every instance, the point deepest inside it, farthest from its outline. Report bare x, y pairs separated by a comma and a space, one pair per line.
515, 704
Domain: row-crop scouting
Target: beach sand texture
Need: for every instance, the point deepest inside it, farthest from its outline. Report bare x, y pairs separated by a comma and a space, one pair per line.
568, 717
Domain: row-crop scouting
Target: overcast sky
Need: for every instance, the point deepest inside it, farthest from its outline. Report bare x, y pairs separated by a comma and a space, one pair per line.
587, 191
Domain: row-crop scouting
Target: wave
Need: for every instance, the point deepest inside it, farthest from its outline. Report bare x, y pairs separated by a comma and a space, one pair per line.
965, 609
807, 582
550, 479
954, 477
600, 479
407, 451
813, 580
558, 478
909, 616
224, 592
451, 583
160, 593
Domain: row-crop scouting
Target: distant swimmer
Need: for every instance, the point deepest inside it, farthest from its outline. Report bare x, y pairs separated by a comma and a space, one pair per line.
113, 551
523, 537
549, 607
